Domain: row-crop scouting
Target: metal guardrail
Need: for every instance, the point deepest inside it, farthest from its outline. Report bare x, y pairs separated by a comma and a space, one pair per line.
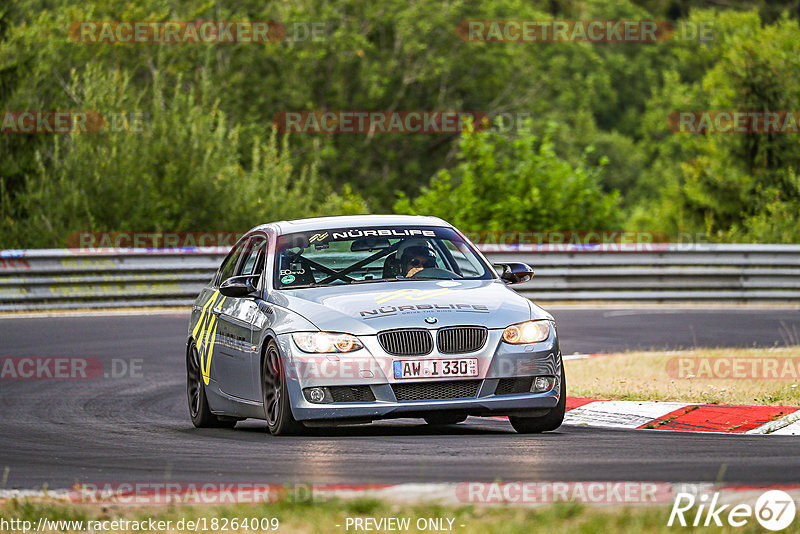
73, 278
661, 272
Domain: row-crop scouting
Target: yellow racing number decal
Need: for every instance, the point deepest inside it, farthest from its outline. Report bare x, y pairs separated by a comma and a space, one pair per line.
205, 333
409, 294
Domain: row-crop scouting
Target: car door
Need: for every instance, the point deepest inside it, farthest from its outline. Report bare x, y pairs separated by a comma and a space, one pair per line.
234, 333
206, 329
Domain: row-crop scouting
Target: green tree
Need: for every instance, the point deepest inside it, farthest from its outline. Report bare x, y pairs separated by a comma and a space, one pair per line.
725, 185
518, 184
394, 55
179, 170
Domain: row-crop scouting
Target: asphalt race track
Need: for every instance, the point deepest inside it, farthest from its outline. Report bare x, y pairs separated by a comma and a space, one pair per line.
137, 429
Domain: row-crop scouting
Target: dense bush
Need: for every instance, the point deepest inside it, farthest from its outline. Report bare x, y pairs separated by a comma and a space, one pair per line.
170, 163
516, 184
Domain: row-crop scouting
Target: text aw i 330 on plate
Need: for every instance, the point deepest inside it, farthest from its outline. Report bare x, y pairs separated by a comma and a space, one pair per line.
351, 319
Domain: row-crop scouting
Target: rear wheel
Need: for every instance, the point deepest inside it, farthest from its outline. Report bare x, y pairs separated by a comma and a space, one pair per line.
445, 419
196, 391
551, 421
277, 409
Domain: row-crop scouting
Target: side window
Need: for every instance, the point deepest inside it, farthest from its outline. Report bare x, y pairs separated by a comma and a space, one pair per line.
254, 256
467, 263
227, 269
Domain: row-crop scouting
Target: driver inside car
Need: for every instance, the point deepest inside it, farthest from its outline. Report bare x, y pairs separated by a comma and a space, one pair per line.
417, 258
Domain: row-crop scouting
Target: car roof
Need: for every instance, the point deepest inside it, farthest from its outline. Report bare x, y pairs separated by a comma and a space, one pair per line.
349, 221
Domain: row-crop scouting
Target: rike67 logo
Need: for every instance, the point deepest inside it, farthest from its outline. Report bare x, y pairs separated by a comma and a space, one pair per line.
774, 510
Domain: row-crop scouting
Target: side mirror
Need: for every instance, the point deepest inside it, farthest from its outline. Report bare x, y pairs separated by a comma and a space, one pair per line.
514, 273
238, 286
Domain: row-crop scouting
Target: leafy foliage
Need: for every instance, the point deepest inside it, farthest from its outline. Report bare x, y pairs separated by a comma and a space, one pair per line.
519, 183
174, 167
732, 187
208, 157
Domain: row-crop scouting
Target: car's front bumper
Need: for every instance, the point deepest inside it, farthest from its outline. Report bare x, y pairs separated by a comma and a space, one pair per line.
372, 367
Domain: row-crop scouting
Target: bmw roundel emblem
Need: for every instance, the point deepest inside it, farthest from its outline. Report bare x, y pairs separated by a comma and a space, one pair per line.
430, 320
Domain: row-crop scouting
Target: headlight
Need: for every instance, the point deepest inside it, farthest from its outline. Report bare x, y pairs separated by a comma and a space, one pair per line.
322, 342
528, 332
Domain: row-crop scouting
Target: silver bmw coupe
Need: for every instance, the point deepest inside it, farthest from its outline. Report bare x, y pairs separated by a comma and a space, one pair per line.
341, 320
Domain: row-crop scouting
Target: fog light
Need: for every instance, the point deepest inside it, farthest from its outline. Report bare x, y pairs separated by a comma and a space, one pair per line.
315, 394
542, 383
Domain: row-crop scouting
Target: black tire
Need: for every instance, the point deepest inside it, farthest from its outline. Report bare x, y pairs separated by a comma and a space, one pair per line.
196, 392
445, 419
277, 409
545, 423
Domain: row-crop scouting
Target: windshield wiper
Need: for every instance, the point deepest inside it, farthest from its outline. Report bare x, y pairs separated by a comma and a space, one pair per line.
370, 280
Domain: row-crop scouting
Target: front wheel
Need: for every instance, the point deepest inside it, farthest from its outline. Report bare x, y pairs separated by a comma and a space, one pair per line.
199, 410
551, 421
277, 409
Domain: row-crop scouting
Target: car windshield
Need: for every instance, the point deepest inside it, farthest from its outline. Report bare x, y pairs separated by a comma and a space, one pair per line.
363, 255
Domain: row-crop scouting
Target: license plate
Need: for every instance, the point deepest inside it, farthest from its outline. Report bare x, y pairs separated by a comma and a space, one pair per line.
435, 368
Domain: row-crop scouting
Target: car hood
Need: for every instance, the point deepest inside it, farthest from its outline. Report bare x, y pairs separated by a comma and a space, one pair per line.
365, 309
